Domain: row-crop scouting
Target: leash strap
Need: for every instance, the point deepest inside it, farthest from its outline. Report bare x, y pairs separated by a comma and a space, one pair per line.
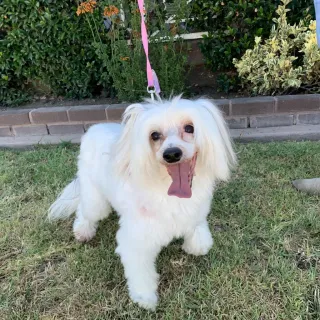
153, 82
317, 9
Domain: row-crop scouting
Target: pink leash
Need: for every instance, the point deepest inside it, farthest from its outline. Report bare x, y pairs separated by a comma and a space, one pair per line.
153, 82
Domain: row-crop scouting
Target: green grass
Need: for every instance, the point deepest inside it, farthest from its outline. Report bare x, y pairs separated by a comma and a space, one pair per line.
265, 262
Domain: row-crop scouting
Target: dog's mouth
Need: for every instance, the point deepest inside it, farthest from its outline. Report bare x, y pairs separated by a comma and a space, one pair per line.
182, 176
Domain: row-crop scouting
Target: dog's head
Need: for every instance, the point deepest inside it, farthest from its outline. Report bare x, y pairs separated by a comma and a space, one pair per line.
174, 138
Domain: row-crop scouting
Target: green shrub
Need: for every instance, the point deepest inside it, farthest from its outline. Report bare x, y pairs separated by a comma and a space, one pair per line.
127, 64
44, 40
288, 59
51, 42
233, 25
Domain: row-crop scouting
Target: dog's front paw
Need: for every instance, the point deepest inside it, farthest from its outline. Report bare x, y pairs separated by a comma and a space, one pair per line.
145, 300
84, 230
199, 243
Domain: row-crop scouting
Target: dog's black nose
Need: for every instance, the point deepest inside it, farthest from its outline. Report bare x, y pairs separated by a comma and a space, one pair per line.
172, 155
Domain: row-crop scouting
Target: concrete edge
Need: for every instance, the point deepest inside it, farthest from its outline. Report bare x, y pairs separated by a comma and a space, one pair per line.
293, 133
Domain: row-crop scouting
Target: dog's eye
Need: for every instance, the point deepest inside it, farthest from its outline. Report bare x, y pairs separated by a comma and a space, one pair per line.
189, 128
155, 136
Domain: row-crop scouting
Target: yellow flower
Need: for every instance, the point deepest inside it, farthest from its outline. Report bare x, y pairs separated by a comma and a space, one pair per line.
110, 11
86, 7
124, 58
313, 25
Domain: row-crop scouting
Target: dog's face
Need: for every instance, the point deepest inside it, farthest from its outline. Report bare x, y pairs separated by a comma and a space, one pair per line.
172, 142
174, 139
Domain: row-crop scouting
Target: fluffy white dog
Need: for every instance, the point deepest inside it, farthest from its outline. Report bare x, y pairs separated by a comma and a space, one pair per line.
158, 170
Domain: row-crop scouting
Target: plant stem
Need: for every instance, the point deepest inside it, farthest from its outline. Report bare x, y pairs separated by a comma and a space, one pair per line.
94, 38
94, 21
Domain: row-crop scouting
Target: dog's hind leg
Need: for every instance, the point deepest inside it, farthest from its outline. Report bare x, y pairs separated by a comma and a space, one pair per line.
92, 208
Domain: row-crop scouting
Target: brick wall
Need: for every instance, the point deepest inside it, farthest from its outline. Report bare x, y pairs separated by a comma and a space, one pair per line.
241, 113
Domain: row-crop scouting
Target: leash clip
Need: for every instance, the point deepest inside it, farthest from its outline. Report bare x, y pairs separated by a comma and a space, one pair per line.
151, 90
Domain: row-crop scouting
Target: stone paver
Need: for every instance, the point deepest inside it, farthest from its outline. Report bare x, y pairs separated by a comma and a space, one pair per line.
237, 122
5, 131
88, 113
295, 103
65, 128
274, 120
252, 106
14, 117
49, 115
31, 130
308, 118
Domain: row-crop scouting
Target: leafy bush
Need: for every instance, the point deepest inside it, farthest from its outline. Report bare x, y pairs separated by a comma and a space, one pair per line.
288, 59
44, 40
233, 25
127, 64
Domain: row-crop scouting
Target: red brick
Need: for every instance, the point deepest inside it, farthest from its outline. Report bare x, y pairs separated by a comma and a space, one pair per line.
65, 128
308, 118
31, 130
49, 115
14, 117
252, 106
274, 120
5, 131
223, 105
115, 111
237, 122
305, 102
88, 113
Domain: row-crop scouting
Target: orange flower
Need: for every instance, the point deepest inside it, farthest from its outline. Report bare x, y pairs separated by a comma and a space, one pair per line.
136, 34
110, 11
86, 7
124, 58
138, 11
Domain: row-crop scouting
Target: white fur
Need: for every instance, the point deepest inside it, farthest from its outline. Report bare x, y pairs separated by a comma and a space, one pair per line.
311, 186
120, 167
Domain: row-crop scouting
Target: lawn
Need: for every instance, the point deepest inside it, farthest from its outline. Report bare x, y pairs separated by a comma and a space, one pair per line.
265, 262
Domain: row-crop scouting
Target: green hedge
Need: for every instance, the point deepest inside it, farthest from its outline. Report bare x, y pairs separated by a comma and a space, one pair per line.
44, 40
232, 26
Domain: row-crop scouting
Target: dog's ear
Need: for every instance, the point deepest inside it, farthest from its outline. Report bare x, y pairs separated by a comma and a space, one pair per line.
124, 144
213, 138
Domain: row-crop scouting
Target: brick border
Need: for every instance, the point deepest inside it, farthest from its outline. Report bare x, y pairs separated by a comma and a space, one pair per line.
240, 113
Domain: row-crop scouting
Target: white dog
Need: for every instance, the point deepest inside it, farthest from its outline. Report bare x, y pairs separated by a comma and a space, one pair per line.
158, 170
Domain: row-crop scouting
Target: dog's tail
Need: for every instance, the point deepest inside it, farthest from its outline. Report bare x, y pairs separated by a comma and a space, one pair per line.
67, 202
311, 186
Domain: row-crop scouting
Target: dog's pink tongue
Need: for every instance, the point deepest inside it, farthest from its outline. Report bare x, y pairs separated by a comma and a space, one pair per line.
180, 186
